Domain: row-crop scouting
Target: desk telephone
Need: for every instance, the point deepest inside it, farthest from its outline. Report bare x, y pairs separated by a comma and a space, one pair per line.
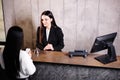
78, 53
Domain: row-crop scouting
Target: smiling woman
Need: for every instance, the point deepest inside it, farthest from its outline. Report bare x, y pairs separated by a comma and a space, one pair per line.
2, 31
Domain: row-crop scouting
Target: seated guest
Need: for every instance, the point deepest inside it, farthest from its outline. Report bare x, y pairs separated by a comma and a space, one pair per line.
16, 62
49, 35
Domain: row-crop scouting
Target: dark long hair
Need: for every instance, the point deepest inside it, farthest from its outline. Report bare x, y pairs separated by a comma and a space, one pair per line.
53, 23
11, 51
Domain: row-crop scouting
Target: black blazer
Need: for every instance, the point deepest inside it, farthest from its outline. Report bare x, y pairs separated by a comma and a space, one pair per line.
55, 38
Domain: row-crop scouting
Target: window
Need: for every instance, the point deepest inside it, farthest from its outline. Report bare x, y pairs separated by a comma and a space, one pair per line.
2, 29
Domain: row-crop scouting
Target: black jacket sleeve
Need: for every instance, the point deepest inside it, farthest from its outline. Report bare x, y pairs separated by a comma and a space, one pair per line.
60, 42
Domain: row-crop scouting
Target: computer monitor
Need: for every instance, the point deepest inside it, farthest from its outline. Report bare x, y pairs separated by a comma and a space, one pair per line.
102, 43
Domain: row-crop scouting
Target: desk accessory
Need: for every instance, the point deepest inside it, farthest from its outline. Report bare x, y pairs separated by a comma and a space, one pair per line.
78, 53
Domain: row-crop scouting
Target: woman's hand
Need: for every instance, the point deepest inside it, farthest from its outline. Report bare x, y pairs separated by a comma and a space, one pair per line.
49, 47
29, 52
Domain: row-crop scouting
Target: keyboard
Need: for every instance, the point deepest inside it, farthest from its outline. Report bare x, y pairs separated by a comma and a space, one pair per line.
78, 53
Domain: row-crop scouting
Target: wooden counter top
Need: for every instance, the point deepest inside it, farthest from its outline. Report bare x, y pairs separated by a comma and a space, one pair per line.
63, 58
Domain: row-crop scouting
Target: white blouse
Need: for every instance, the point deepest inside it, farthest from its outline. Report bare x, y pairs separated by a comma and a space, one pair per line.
47, 33
27, 67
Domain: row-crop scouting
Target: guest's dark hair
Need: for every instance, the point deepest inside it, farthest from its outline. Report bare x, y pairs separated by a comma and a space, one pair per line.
14, 41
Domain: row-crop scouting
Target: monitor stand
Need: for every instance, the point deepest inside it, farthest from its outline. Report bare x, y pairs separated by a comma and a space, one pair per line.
109, 57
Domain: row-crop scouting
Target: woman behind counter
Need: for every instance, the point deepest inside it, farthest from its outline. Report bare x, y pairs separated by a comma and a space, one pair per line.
49, 35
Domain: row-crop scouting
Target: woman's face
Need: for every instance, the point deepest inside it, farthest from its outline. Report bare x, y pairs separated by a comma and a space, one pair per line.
46, 21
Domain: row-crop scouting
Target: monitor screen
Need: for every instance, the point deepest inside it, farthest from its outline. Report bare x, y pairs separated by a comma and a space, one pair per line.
102, 43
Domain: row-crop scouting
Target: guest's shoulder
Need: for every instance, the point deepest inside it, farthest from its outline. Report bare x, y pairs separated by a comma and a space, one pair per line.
23, 53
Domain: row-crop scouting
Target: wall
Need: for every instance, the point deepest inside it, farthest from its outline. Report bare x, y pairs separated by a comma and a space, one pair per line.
81, 20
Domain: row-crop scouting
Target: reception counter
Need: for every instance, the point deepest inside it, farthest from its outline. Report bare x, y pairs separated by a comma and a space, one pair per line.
52, 65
